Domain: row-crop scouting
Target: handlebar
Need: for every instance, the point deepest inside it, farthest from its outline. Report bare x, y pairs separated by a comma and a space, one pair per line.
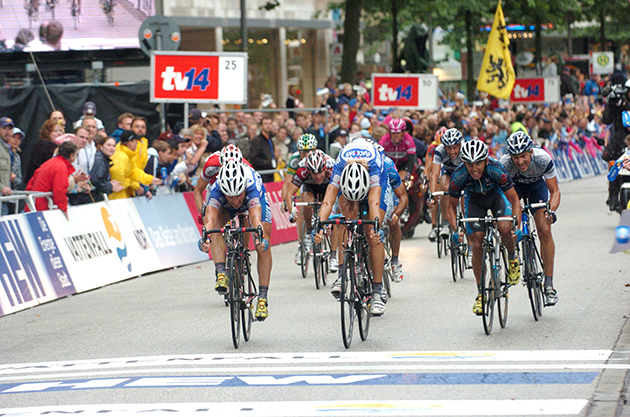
536, 205
258, 230
488, 219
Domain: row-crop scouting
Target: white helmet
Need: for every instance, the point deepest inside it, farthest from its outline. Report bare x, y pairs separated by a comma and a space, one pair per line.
230, 153
452, 137
232, 178
474, 151
519, 142
355, 182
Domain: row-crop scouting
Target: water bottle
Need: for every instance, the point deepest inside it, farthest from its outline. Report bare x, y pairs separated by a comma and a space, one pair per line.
163, 173
614, 171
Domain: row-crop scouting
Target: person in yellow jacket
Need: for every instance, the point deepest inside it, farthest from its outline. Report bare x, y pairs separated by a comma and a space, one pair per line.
125, 169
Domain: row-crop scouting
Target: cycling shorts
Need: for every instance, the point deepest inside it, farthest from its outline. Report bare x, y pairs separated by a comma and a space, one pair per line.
318, 190
264, 206
536, 192
477, 205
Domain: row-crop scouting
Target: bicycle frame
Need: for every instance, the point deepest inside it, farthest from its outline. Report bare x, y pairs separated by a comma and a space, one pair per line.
532, 277
322, 251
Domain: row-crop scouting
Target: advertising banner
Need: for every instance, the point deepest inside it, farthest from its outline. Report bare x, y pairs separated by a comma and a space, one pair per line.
413, 91
31, 268
602, 62
178, 77
536, 90
171, 229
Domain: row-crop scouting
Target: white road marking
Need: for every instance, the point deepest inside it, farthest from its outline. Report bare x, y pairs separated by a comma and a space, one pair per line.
313, 357
321, 408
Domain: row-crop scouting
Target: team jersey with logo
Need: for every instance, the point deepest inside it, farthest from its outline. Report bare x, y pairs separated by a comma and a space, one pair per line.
361, 150
541, 167
440, 157
400, 152
392, 173
294, 162
494, 178
254, 193
212, 167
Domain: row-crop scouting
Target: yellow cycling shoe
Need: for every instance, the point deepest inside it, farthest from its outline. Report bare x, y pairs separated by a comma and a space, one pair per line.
514, 272
477, 307
261, 311
222, 283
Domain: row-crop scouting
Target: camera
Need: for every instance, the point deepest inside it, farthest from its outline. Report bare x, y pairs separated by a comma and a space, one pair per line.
617, 95
268, 99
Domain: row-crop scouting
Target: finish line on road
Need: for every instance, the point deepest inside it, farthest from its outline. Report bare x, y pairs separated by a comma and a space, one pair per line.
320, 408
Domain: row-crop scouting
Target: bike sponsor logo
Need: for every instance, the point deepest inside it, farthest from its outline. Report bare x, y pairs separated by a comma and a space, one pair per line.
115, 237
358, 154
87, 246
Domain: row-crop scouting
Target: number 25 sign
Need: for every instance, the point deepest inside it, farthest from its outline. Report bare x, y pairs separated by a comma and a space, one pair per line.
178, 77
414, 91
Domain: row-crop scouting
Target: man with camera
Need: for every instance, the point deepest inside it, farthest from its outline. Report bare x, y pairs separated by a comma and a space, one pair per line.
617, 102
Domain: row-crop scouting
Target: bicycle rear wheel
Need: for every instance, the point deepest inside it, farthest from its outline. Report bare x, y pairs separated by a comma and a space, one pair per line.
346, 298
501, 285
538, 272
234, 268
304, 254
247, 316
365, 294
454, 262
487, 291
461, 261
388, 272
317, 263
439, 239
325, 259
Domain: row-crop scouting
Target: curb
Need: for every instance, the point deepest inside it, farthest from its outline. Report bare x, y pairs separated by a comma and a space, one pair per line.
610, 396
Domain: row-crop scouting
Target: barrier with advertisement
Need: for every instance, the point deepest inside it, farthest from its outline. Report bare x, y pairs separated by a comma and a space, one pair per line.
579, 165
536, 90
414, 91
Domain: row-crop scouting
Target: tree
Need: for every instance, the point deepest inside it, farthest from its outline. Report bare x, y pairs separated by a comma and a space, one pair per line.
351, 40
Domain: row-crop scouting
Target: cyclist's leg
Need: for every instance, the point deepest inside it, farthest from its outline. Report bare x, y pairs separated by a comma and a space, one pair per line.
501, 206
444, 182
539, 193
265, 259
475, 233
217, 242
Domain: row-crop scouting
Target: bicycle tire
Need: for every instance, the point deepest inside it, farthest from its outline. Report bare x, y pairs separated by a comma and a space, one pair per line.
388, 272
487, 292
247, 316
454, 261
304, 254
326, 259
539, 270
461, 261
529, 276
317, 262
346, 298
234, 269
502, 290
438, 240
364, 285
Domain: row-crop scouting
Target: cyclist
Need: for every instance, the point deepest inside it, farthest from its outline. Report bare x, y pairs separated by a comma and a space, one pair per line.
445, 160
534, 176
398, 205
400, 147
358, 178
305, 143
428, 169
238, 189
487, 186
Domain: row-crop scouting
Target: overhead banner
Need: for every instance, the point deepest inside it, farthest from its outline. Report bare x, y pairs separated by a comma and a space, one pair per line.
536, 90
179, 77
405, 91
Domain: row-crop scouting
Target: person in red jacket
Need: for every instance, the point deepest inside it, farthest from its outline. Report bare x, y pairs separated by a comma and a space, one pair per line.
53, 176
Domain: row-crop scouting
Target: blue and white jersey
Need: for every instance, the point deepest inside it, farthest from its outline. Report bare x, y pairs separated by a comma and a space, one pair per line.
494, 179
441, 158
254, 193
541, 167
392, 173
359, 150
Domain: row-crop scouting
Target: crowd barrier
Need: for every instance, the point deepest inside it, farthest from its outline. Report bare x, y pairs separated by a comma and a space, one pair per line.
45, 256
573, 165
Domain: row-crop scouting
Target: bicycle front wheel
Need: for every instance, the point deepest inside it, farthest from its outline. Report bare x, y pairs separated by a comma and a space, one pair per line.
234, 269
501, 285
317, 264
365, 293
247, 316
304, 254
537, 272
487, 292
388, 272
454, 262
346, 298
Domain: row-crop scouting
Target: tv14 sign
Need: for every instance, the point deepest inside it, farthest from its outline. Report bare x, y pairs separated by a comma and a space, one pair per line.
178, 77
536, 90
414, 91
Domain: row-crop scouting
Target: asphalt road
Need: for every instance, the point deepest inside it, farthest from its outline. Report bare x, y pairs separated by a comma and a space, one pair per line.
162, 341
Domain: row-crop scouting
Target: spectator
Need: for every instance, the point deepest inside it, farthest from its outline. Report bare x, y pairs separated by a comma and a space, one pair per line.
16, 160
89, 109
124, 123
280, 165
592, 87
341, 138
261, 152
346, 95
233, 132
566, 83
44, 148
53, 176
245, 143
292, 100
318, 128
214, 138
79, 193
6, 136
160, 155
139, 126
195, 117
100, 175
125, 169
551, 69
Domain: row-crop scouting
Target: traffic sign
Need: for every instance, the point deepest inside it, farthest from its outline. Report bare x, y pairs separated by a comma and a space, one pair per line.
178, 77
536, 90
602, 62
413, 91
159, 33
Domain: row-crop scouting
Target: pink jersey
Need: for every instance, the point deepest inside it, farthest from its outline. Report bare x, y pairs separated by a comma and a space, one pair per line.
398, 153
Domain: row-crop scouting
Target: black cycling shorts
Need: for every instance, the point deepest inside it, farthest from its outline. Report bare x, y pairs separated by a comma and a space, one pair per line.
477, 205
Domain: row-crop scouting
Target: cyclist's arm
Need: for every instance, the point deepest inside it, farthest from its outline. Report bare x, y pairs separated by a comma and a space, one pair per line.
411, 161
554, 193
516, 205
329, 200
290, 192
435, 175
198, 193
288, 179
451, 212
374, 202
255, 218
403, 200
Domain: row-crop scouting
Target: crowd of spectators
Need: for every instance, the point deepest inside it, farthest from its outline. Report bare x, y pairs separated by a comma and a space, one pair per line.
126, 163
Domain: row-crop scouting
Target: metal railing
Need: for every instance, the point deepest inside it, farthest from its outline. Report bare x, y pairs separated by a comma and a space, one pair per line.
29, 197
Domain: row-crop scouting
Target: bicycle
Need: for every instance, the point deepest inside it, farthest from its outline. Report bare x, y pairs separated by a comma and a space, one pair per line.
356, 278
533, 268
441, 242
75, 12
494, 282
304, 253
388, 271
321, 251
108, 9
458, 251
241, 288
